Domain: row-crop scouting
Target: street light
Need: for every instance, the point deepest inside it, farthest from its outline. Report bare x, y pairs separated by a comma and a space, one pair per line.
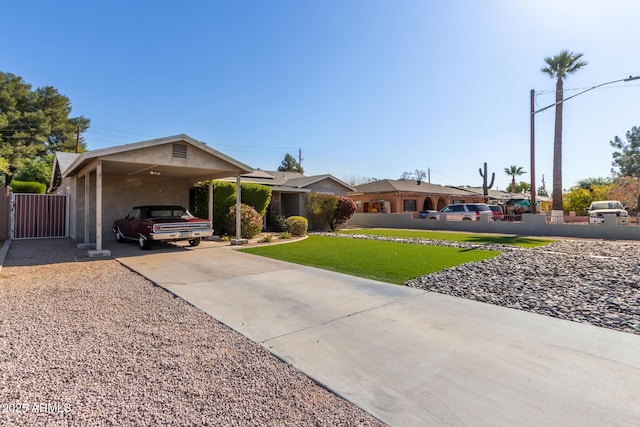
533, 139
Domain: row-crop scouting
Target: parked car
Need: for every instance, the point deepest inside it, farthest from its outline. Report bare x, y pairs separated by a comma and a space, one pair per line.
461, 212
166, 223
498, 213
598, 210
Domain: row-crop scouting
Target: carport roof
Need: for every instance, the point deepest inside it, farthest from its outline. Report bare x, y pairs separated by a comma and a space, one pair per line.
115, 164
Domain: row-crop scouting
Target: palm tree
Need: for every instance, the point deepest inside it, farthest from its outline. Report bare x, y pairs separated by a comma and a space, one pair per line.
559, 67
514, 171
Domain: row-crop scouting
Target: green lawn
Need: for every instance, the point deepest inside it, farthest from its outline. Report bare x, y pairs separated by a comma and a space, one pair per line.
524, 242
385, 261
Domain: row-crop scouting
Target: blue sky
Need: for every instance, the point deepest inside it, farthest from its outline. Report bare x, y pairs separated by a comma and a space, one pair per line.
365, 88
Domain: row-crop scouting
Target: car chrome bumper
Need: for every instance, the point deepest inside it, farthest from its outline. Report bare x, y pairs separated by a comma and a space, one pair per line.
181, 235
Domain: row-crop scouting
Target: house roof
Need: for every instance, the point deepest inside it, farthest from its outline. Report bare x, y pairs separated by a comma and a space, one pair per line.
141, 158
409, 185
493, 194
61, 162
116, 163
288, 181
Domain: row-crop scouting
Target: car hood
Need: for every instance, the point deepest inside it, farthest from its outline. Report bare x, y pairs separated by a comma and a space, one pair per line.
608, 211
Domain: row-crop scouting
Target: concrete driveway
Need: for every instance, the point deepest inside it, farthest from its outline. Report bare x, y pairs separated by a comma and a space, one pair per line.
409, 357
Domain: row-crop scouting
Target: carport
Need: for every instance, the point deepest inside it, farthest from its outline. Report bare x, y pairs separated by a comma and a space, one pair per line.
104, 184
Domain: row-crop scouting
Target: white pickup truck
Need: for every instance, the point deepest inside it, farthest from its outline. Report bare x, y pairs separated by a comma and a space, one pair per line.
598, 211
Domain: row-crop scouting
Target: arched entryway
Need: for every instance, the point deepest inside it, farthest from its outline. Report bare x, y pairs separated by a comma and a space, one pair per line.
427, 205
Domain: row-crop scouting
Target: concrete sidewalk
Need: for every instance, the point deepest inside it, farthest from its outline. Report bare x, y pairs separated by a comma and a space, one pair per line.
410, 357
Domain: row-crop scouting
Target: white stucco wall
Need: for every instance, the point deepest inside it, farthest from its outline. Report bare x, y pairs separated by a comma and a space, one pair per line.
120, 194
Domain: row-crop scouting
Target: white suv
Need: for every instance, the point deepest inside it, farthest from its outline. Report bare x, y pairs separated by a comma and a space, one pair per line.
462, 212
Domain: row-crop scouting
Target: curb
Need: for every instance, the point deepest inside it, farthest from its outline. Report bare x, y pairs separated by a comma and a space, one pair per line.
3, 252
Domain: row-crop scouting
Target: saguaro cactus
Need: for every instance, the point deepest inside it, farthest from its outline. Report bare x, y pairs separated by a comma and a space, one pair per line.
485, 187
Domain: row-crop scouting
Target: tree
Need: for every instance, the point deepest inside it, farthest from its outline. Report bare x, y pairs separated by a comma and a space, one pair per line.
522, 187
34, 124
514, 171
418, 175
559, 67
37, 170
626, 160
579, 198
290, 164
591, 183
627, 190
626, 165
354, 180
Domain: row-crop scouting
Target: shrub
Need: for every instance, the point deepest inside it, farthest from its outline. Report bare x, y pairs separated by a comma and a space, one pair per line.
28, 187
329, 211
297, 225
267, 238
279, 222
345, 209
285, 235
321, 208
224, 197
250, 221
257, 196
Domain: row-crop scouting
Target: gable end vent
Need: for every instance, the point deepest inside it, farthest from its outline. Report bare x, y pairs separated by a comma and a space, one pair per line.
180, 151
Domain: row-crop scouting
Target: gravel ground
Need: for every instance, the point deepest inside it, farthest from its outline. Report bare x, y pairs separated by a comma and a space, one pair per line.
89, 342
587, 281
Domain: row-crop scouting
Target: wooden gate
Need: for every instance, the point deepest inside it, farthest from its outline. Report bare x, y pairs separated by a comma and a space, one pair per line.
35, 216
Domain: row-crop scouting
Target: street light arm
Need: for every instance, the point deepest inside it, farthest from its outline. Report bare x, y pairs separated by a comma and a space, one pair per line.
628, 79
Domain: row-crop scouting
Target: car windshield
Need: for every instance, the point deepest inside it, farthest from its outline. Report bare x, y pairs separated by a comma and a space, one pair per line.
167, 213
495, 208
481, 208
605, 205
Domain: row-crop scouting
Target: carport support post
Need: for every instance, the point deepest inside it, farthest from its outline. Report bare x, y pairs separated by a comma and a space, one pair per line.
99, 251
211, 204
87, 205
238, 240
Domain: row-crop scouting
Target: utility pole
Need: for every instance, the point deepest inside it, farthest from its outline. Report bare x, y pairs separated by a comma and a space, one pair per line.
532, 190
300, 156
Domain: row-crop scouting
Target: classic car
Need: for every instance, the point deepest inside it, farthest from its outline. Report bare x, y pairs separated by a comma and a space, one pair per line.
166, 223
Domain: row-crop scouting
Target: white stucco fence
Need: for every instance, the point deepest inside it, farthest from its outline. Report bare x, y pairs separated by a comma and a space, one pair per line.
531, 225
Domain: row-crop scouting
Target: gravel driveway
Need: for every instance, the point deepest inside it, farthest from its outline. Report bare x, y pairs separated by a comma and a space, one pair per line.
89, 342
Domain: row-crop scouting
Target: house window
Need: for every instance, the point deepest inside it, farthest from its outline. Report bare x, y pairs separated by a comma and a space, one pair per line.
409, 205
180, 151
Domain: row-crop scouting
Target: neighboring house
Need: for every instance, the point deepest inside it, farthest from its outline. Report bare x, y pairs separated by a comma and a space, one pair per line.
405, 195
103, 185
289, 190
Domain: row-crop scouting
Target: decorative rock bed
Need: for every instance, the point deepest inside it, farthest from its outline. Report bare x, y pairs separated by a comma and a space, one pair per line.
588, 281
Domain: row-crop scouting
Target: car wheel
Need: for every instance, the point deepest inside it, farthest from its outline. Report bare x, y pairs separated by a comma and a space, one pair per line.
194, 242
119, 236
433, 217
144, 243
466, 218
